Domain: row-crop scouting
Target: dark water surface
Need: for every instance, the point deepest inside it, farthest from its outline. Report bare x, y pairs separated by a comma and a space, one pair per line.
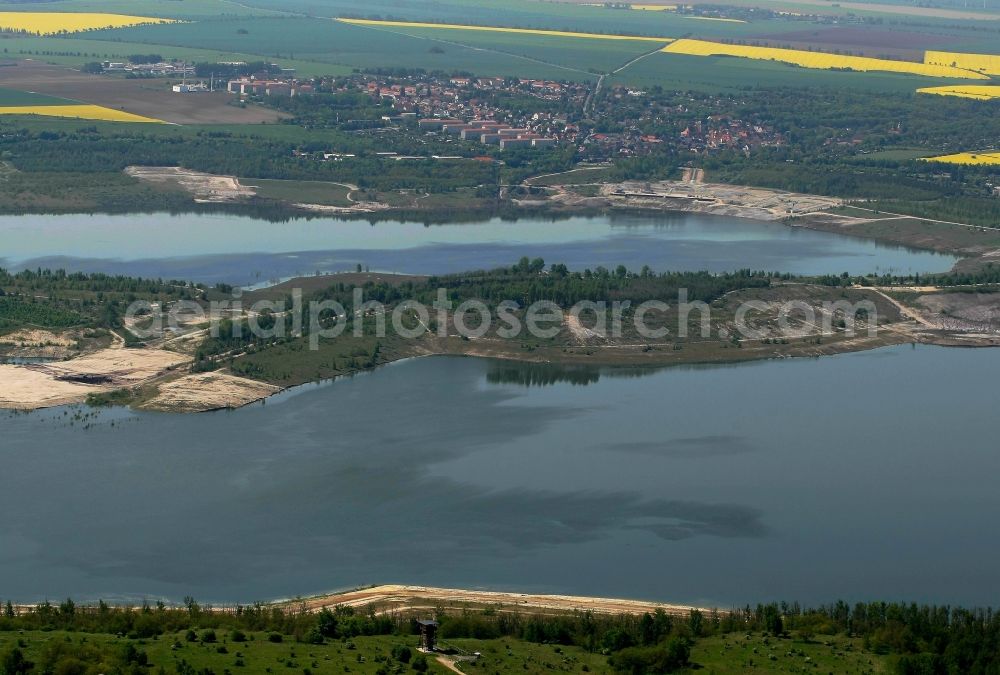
860, 476
248, 251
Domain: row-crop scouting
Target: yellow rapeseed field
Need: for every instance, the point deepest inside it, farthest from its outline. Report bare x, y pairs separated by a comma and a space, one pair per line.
48, 23
817, 60
982, 63
983, 92
978, 158
81, 111
496, 29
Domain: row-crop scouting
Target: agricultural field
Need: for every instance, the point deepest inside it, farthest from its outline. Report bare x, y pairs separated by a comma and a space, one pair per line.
818, 60
50, 23
333, 47
525, 39
988, 64
578, 58
896, 10
15, 97
75, 50
860, 40
144, 8
81, 111
984, 92
720, 73
532, 14
969, 158
500, 29
145, 98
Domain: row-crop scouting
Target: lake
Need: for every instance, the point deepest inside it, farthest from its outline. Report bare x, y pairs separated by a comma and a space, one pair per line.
247, 251
861, 476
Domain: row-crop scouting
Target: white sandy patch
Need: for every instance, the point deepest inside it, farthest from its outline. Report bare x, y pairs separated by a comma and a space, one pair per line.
208, 391
44, 385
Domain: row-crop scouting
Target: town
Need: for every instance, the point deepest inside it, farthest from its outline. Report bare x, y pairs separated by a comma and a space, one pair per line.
506, 113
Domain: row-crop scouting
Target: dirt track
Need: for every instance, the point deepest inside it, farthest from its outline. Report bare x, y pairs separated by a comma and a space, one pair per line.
150, 98
397, 597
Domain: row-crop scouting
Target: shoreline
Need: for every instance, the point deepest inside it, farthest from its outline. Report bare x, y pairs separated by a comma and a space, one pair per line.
220, 390
155, 378
271, 391
398, 597
640, 198
384, 599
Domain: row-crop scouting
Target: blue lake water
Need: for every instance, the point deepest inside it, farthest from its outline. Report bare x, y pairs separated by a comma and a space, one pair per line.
246, 251
861, 476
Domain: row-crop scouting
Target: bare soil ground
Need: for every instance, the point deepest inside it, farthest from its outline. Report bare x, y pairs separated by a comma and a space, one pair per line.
906, 10
700, 197
38, 343
44, 385
966, 312
218, 189
830, 5
205, 187
202, 392
981, 245
909, 46
395, 598
147, 97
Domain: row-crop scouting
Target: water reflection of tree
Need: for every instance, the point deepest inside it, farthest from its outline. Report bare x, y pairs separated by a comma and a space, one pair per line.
548, 374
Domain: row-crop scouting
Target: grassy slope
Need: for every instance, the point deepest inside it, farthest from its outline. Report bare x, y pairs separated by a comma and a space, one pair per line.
735, 654
724, 655
307, 191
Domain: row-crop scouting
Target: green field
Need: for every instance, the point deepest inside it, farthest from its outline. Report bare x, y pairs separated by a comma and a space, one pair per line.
12, 97
295, 41
315, 46
179, 9
526, 14
720, 655
307, 191
301, 34
75, 51
720, 73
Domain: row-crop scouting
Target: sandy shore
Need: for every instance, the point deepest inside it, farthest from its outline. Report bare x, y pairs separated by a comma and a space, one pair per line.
45, 385
397, 597
203, 392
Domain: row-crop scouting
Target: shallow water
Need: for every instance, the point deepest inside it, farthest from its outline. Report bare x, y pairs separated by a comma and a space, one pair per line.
859, 476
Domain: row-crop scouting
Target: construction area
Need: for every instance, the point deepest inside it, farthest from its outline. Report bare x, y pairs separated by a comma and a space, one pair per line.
716, 198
